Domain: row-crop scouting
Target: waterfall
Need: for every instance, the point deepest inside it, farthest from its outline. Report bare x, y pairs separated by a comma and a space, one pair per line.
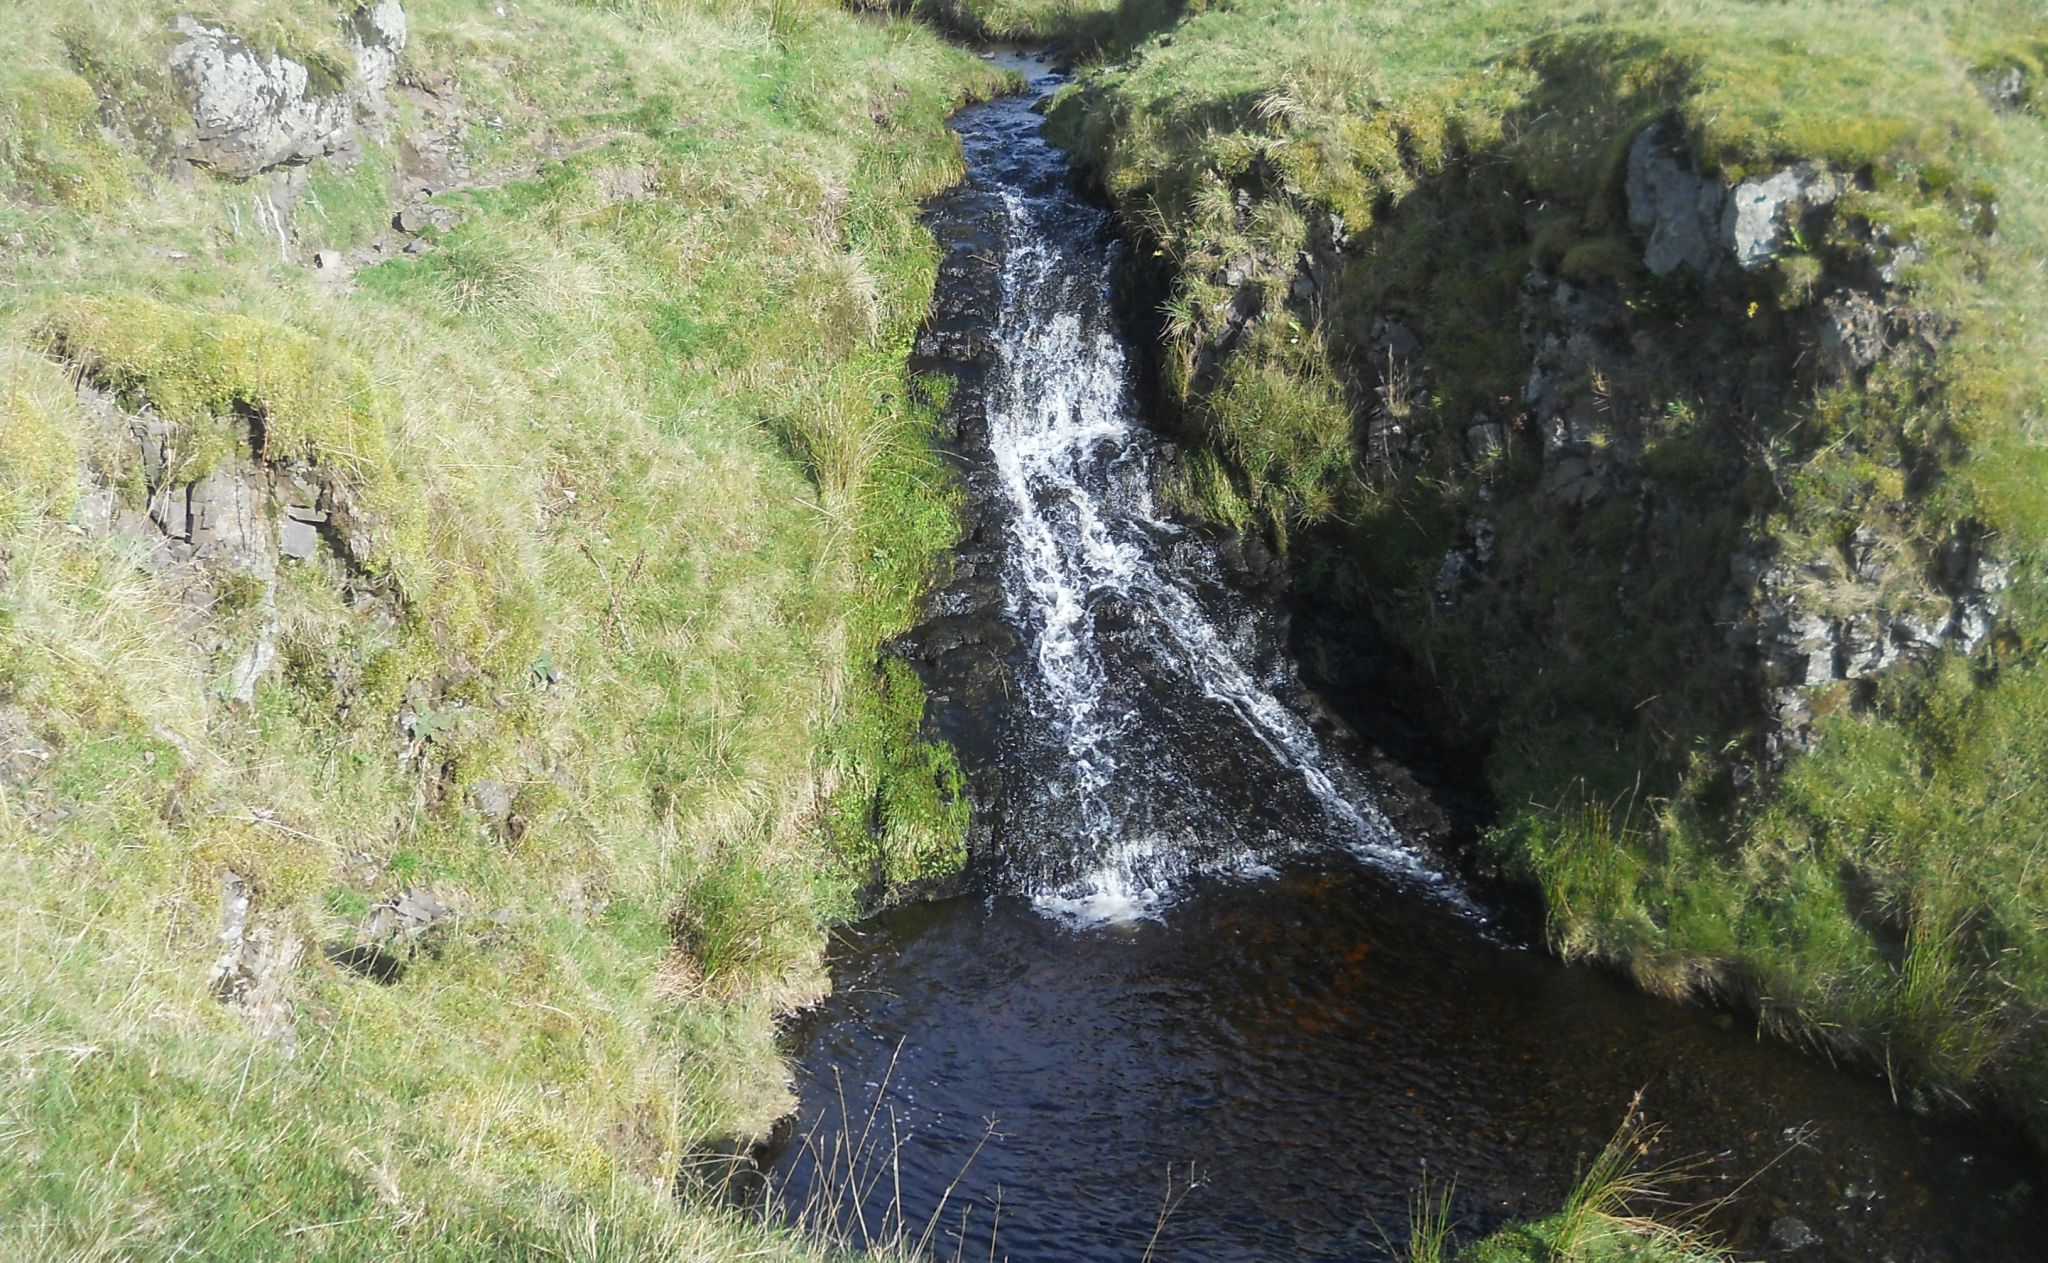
1151, 735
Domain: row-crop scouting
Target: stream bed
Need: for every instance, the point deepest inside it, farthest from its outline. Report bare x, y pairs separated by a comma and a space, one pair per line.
1213, 999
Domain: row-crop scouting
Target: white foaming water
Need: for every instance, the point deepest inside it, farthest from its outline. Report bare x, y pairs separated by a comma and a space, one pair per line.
1084, 536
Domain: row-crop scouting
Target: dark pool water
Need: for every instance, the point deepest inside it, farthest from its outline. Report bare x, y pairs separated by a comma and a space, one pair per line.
1315, 1046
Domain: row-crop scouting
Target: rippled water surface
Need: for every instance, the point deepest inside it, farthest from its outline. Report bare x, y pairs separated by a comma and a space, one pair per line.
1204, 970
1315, 1044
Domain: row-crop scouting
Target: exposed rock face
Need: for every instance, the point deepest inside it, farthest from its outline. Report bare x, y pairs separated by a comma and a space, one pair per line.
22, 754
1672, 205
409, 916
1852, 334
255, 962
1851, 618
1692, 220
2008, 88
1763, 213
238, 522
1791, 626
380, 33
255, 111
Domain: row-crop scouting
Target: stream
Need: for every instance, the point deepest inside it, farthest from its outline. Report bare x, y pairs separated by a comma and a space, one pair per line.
1211, 999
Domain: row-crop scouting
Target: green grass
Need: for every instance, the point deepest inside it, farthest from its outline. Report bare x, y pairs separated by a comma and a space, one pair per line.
1022, 20
630, 493
1620, 1210
1882, 893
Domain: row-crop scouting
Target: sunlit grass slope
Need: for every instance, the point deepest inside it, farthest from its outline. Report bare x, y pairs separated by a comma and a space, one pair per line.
635, 487
1886, 891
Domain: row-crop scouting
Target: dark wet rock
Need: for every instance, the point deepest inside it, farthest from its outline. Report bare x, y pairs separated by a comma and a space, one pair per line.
1484, 439
1452, 576
1243, 307
1248, 562
1577, 479
1396, 341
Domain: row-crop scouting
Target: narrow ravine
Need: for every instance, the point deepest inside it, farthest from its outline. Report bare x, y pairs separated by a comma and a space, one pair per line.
1201, 963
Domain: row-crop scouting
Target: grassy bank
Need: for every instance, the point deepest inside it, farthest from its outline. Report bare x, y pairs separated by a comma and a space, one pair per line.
1361, 205
432, 893
1024, 21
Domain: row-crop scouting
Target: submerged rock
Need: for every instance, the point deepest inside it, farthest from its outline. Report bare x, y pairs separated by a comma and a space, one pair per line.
1788, 1233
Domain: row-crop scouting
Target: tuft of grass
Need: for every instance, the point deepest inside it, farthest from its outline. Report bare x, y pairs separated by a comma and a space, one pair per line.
1620, 1210
1430, 1223
39, 457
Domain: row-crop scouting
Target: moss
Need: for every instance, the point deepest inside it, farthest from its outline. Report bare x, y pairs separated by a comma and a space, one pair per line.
50, 143
201, 370
39, 457
900, 818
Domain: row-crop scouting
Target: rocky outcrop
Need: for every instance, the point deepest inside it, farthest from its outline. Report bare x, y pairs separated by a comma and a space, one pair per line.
1765, 214
224, 532
256, 960
1852, 616
255, 111
407, 917
1690, 219
1673, 206
2009, 87
1794, 626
